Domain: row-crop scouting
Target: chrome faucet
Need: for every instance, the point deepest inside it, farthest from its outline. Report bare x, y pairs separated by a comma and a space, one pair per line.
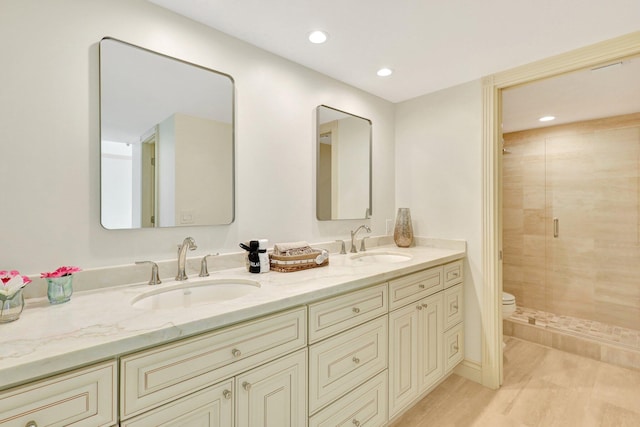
353, 237
187, 244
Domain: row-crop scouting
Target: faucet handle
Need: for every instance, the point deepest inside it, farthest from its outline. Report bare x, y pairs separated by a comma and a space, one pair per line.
204, 271
362, 247
155, 277
343, 250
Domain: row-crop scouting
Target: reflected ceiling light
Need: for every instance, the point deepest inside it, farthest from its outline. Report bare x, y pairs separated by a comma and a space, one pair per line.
546, 118
384, 72
318, 36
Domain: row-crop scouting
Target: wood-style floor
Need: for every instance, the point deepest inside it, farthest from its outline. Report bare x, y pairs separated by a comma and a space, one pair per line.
542, 387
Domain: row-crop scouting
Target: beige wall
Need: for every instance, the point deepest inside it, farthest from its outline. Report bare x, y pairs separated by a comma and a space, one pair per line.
586, 175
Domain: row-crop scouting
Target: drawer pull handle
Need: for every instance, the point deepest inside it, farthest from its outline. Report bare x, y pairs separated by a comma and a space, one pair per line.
456, 274
425, 305
421, 285
236, 353
31, 424
356, 423
246, 386
356, 310
226, 394
355, 360
419, 307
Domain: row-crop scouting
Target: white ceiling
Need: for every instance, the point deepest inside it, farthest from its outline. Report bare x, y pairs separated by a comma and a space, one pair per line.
581, 95
430, 45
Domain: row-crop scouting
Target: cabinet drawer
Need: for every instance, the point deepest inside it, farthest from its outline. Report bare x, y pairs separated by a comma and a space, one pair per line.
153, 377
415, 286
453, 347
365, 406
342, 362
453, 306
453, 273
211, 407
337, 314
86, 397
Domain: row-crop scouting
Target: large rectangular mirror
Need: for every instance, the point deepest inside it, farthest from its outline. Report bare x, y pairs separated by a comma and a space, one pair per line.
167, 140
343, 182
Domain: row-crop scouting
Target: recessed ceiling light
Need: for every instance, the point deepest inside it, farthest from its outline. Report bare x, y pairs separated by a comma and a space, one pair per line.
384, 72
318, 36
546, 118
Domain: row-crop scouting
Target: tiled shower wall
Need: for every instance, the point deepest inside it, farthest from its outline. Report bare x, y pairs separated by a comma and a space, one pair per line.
586, 175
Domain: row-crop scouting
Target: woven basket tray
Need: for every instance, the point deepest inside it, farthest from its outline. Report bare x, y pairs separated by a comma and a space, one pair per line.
287, 264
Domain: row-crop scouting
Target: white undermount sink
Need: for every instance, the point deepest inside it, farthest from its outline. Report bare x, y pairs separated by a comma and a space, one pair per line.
379, 257
194, 293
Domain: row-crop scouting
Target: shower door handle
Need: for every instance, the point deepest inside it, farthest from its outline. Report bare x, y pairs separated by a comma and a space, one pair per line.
556, 227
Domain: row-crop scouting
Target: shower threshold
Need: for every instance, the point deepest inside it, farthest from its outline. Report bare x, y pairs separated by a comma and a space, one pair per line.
612, 344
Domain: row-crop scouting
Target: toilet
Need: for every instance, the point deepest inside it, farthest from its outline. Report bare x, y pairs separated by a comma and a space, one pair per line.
508, 308
508, 304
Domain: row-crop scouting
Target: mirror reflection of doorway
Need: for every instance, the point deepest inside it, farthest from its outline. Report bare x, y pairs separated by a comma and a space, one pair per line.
148, 182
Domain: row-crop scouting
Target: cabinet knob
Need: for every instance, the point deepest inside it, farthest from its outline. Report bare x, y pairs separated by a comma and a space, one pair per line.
236, 353
455, 347
456, 274
421, 285
454, 306
356, 310
425, 305
419, 307
355, 360
356, 423
31, 424
227, 394
246, 386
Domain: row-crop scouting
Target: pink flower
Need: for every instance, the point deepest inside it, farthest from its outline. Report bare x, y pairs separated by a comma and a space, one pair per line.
61, 271
12, 282
5, 276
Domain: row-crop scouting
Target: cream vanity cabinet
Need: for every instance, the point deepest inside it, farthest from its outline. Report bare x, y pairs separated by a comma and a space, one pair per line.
422, 319
83, 397
251, 374
348, 361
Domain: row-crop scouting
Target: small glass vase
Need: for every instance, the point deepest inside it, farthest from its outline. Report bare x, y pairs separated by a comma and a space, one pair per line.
403, 231
11, 307
59, 289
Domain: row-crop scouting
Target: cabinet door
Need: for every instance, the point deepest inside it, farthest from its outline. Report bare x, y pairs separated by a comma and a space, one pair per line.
211, 407
430, 330
403, 358
274, 395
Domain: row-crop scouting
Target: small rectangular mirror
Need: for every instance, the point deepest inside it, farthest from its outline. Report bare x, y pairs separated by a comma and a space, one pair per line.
343, 181
167, 140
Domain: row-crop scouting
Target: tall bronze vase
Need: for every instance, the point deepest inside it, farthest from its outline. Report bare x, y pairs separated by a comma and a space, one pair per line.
403, 232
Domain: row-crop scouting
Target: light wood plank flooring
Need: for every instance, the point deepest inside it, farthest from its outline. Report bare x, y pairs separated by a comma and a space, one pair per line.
542, 387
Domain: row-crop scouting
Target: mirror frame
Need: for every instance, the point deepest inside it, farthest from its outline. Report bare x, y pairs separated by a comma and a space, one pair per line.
369, 209
233, 131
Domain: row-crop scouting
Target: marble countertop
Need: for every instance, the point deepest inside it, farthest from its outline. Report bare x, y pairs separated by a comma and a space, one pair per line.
101, 324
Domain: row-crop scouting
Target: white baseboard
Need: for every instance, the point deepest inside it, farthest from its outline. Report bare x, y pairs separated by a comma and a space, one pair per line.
470, 370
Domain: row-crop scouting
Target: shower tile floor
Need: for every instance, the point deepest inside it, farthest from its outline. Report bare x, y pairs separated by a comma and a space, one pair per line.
590, 329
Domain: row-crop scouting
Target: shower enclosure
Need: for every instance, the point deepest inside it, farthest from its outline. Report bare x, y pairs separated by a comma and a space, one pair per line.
571, 227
